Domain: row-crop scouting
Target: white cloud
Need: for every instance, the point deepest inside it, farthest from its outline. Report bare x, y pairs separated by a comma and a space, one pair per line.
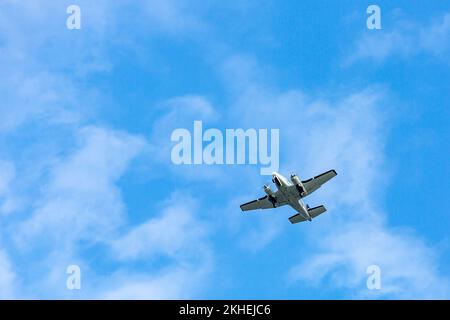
262, 232
174, 17
78, 200
346, 133
174, 283
81, 200
34, 82
349, 136
408, 266
176, 232
39, 79
436, 38
181, 112
406, 39
7, 277
8, 203
37, 97
81, 203
178, 112
7, 173
380, 45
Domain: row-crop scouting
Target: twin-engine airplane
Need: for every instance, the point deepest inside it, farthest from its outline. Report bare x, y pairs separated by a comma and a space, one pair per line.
291, 193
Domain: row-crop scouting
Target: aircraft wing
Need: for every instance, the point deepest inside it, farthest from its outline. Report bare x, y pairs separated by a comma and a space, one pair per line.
313, 184
266, 202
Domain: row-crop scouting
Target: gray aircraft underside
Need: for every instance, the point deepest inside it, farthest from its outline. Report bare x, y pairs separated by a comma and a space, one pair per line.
291, 193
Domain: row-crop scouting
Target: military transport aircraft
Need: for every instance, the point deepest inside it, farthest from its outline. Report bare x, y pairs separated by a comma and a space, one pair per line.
291, 193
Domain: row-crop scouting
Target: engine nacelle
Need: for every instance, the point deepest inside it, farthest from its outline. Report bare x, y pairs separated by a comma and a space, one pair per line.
295, 180
298, 185
267, 190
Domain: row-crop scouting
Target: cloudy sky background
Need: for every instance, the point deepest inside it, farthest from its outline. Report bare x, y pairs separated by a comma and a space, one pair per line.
85, 170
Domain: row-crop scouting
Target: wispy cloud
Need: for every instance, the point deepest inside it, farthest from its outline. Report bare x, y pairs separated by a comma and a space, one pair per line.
76, 201
81, 205
409, 268
176, 232
405, 39
81, 200
175, 283
174, 17
8, 203
348, 134
436, 37
181, 112
7, 277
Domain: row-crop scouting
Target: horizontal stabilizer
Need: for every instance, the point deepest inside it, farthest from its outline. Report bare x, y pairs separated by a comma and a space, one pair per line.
296, 218
314, 212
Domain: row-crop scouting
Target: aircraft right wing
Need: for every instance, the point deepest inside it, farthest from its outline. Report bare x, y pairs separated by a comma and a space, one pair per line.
315, 183
266, 202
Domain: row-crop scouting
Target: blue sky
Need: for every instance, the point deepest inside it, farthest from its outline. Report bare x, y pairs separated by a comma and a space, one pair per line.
85, 171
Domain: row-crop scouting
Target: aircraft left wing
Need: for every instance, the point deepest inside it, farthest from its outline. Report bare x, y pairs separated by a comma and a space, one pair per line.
266, 202
313, 184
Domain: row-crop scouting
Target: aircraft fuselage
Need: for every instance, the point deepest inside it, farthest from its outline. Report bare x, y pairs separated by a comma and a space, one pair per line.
292, 195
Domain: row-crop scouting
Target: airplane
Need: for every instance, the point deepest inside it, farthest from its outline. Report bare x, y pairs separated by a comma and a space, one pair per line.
291, 193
